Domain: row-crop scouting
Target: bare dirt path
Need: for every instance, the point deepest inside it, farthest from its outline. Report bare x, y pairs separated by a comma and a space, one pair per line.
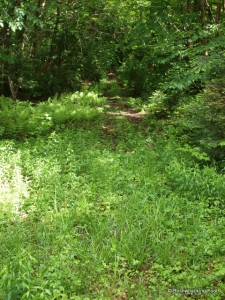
117, 107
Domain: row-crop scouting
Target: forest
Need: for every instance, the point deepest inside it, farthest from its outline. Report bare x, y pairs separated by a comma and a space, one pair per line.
112, 149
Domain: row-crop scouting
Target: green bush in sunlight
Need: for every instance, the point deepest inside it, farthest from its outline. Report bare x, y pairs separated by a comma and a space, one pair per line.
18, 119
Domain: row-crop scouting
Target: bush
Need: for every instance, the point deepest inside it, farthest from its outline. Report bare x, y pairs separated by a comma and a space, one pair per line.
157, 104
21, 119
202, 119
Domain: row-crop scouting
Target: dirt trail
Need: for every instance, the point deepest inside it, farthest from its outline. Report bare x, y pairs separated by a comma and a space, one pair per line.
117, 107
117, 110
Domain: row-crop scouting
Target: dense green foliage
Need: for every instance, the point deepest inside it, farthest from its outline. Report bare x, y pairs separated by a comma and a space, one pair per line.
48, 47
174, 49
24, 119
112, 149
93, 214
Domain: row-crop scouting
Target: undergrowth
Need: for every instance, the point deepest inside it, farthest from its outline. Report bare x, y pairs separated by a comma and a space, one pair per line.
22, 119
89, 215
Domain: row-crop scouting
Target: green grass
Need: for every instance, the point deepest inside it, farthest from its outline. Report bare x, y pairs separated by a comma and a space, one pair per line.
93, 214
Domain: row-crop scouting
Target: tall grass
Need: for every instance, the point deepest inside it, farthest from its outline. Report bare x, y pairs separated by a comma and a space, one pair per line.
87, 216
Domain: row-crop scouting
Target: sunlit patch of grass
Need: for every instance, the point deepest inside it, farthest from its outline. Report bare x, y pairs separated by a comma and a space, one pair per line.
120, 215
14, 186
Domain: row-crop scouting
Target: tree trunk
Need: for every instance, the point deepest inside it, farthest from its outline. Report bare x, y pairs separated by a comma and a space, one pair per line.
203, 12
189, 6
13, 88
218, 12
37, 30
197, 5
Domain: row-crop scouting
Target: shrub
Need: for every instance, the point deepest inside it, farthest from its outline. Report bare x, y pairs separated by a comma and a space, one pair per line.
21, 119
202, 119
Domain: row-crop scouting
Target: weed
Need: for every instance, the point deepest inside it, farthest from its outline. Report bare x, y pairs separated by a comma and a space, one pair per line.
81, 219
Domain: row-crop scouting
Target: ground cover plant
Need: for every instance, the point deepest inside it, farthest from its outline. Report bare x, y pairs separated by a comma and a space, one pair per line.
104, 208
23, 119
112, 153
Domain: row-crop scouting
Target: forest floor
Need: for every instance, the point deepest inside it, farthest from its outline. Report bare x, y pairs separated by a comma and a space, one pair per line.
119, 107
103, 207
